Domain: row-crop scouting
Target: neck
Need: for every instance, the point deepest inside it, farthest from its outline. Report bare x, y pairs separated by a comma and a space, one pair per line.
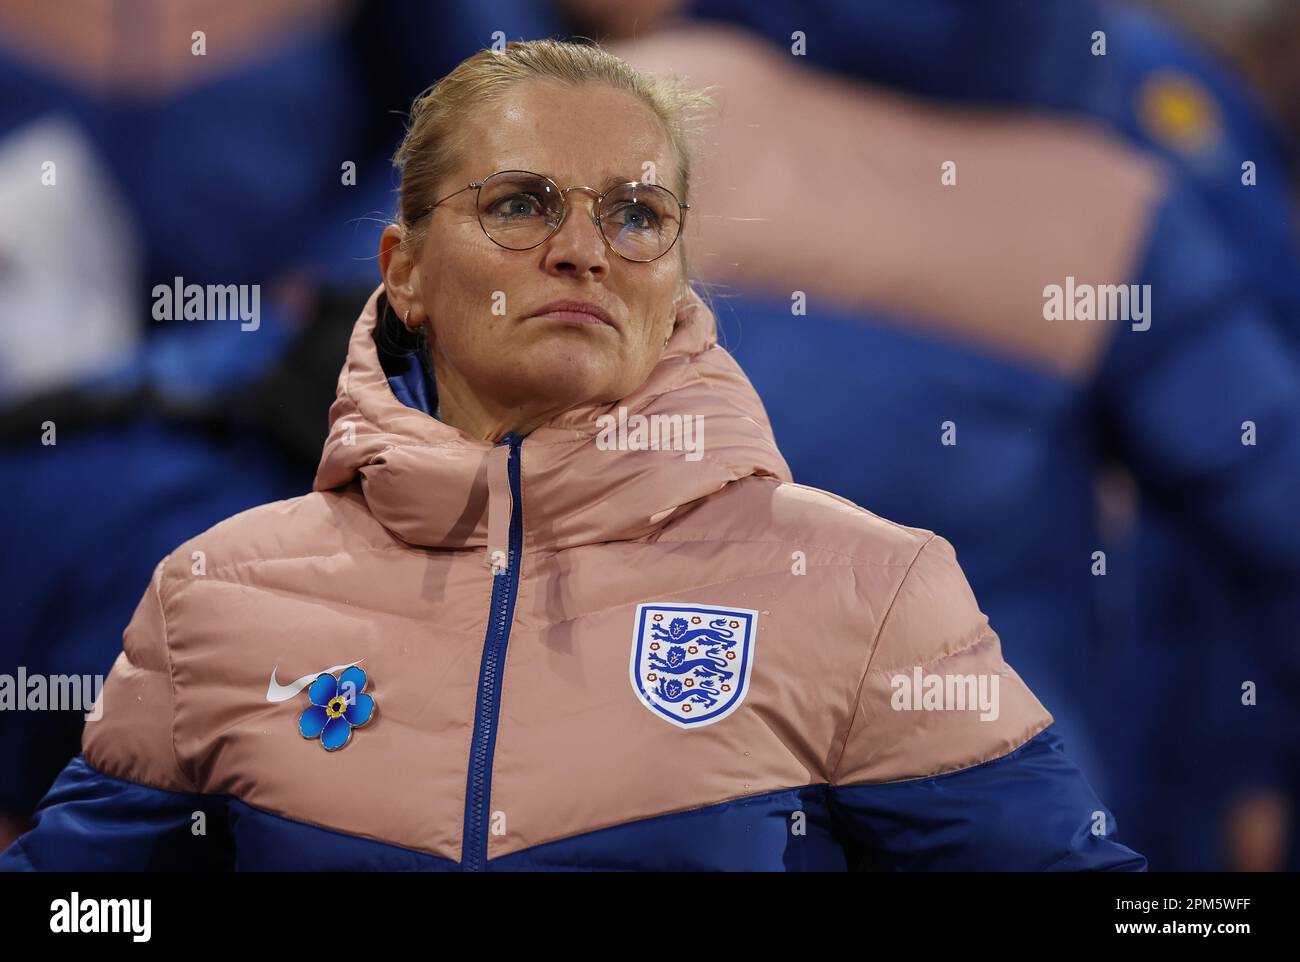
486, 419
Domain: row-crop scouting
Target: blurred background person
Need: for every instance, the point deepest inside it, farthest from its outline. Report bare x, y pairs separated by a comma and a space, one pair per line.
232, 143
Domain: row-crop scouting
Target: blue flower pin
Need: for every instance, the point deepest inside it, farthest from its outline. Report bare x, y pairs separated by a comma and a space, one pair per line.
337, 706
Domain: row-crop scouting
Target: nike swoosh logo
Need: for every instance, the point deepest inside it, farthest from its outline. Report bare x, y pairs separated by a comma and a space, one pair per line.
278, 692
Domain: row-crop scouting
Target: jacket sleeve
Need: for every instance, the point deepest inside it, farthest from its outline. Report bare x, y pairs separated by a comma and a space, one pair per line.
948, 763
126, 803
1204, 406
1204, 400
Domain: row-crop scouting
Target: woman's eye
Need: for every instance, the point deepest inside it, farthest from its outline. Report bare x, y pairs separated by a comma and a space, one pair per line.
517, 205
637, 217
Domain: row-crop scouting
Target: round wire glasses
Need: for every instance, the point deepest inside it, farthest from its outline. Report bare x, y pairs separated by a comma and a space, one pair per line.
519, 210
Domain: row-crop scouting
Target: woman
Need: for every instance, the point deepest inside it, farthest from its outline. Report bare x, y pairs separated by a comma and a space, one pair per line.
555, 602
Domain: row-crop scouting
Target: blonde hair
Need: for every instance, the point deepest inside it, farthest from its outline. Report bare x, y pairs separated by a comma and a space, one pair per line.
435, 132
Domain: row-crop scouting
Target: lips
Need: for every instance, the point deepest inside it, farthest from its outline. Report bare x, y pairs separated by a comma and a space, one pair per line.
572, 307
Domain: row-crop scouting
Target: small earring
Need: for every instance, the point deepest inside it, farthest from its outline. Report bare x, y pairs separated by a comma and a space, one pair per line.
406, 319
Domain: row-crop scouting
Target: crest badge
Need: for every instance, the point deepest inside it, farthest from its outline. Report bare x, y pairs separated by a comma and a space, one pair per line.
691, 663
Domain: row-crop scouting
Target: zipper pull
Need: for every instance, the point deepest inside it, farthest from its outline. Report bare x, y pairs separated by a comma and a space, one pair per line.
500, 507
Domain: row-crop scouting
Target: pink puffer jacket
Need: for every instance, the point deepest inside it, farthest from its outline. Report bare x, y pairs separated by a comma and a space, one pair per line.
679, 659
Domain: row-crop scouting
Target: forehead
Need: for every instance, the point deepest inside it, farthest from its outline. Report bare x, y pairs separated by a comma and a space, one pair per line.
591, 134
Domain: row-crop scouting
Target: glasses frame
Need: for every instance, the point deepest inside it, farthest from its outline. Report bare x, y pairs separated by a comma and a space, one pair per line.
564, 201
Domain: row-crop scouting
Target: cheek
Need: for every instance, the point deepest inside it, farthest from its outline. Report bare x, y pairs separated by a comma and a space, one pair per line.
656, 303
645, 344
464, 294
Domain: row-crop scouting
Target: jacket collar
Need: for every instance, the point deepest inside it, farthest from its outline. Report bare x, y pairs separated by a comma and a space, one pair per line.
429, 483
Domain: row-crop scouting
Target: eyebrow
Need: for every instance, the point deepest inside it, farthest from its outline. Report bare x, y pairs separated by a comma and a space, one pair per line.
613, 179
607, 183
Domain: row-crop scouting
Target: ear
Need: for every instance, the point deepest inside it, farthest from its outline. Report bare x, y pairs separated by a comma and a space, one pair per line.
401, 279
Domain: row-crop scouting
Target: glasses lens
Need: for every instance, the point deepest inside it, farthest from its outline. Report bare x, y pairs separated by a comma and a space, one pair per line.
518, 209
641, 221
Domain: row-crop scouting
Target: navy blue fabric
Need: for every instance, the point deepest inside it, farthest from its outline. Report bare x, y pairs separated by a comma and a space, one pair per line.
91, 822
756, 834
94, 822
100, 509
1029, 810
411, 384
404, 358
265, 842
1176, 395
1216, 562
1256, 221
961, 49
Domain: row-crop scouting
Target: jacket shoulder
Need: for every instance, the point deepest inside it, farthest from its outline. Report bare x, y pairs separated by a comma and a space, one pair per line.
315, 525
767, 510
193, 610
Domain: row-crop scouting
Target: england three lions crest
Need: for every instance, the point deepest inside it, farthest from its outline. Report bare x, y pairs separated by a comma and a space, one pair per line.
691, 663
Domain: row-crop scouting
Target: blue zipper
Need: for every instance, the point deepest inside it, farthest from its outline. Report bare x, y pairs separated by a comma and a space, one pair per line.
478, 788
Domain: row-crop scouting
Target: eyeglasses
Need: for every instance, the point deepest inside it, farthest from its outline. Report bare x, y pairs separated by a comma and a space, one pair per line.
520, 210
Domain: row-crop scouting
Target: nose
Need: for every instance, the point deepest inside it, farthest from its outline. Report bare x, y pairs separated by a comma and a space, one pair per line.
577, 247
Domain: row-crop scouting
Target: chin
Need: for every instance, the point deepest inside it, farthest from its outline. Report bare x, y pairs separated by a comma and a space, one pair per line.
573, 372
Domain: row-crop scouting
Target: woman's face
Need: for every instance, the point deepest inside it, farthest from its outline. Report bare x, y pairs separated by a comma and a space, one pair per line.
480, 299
